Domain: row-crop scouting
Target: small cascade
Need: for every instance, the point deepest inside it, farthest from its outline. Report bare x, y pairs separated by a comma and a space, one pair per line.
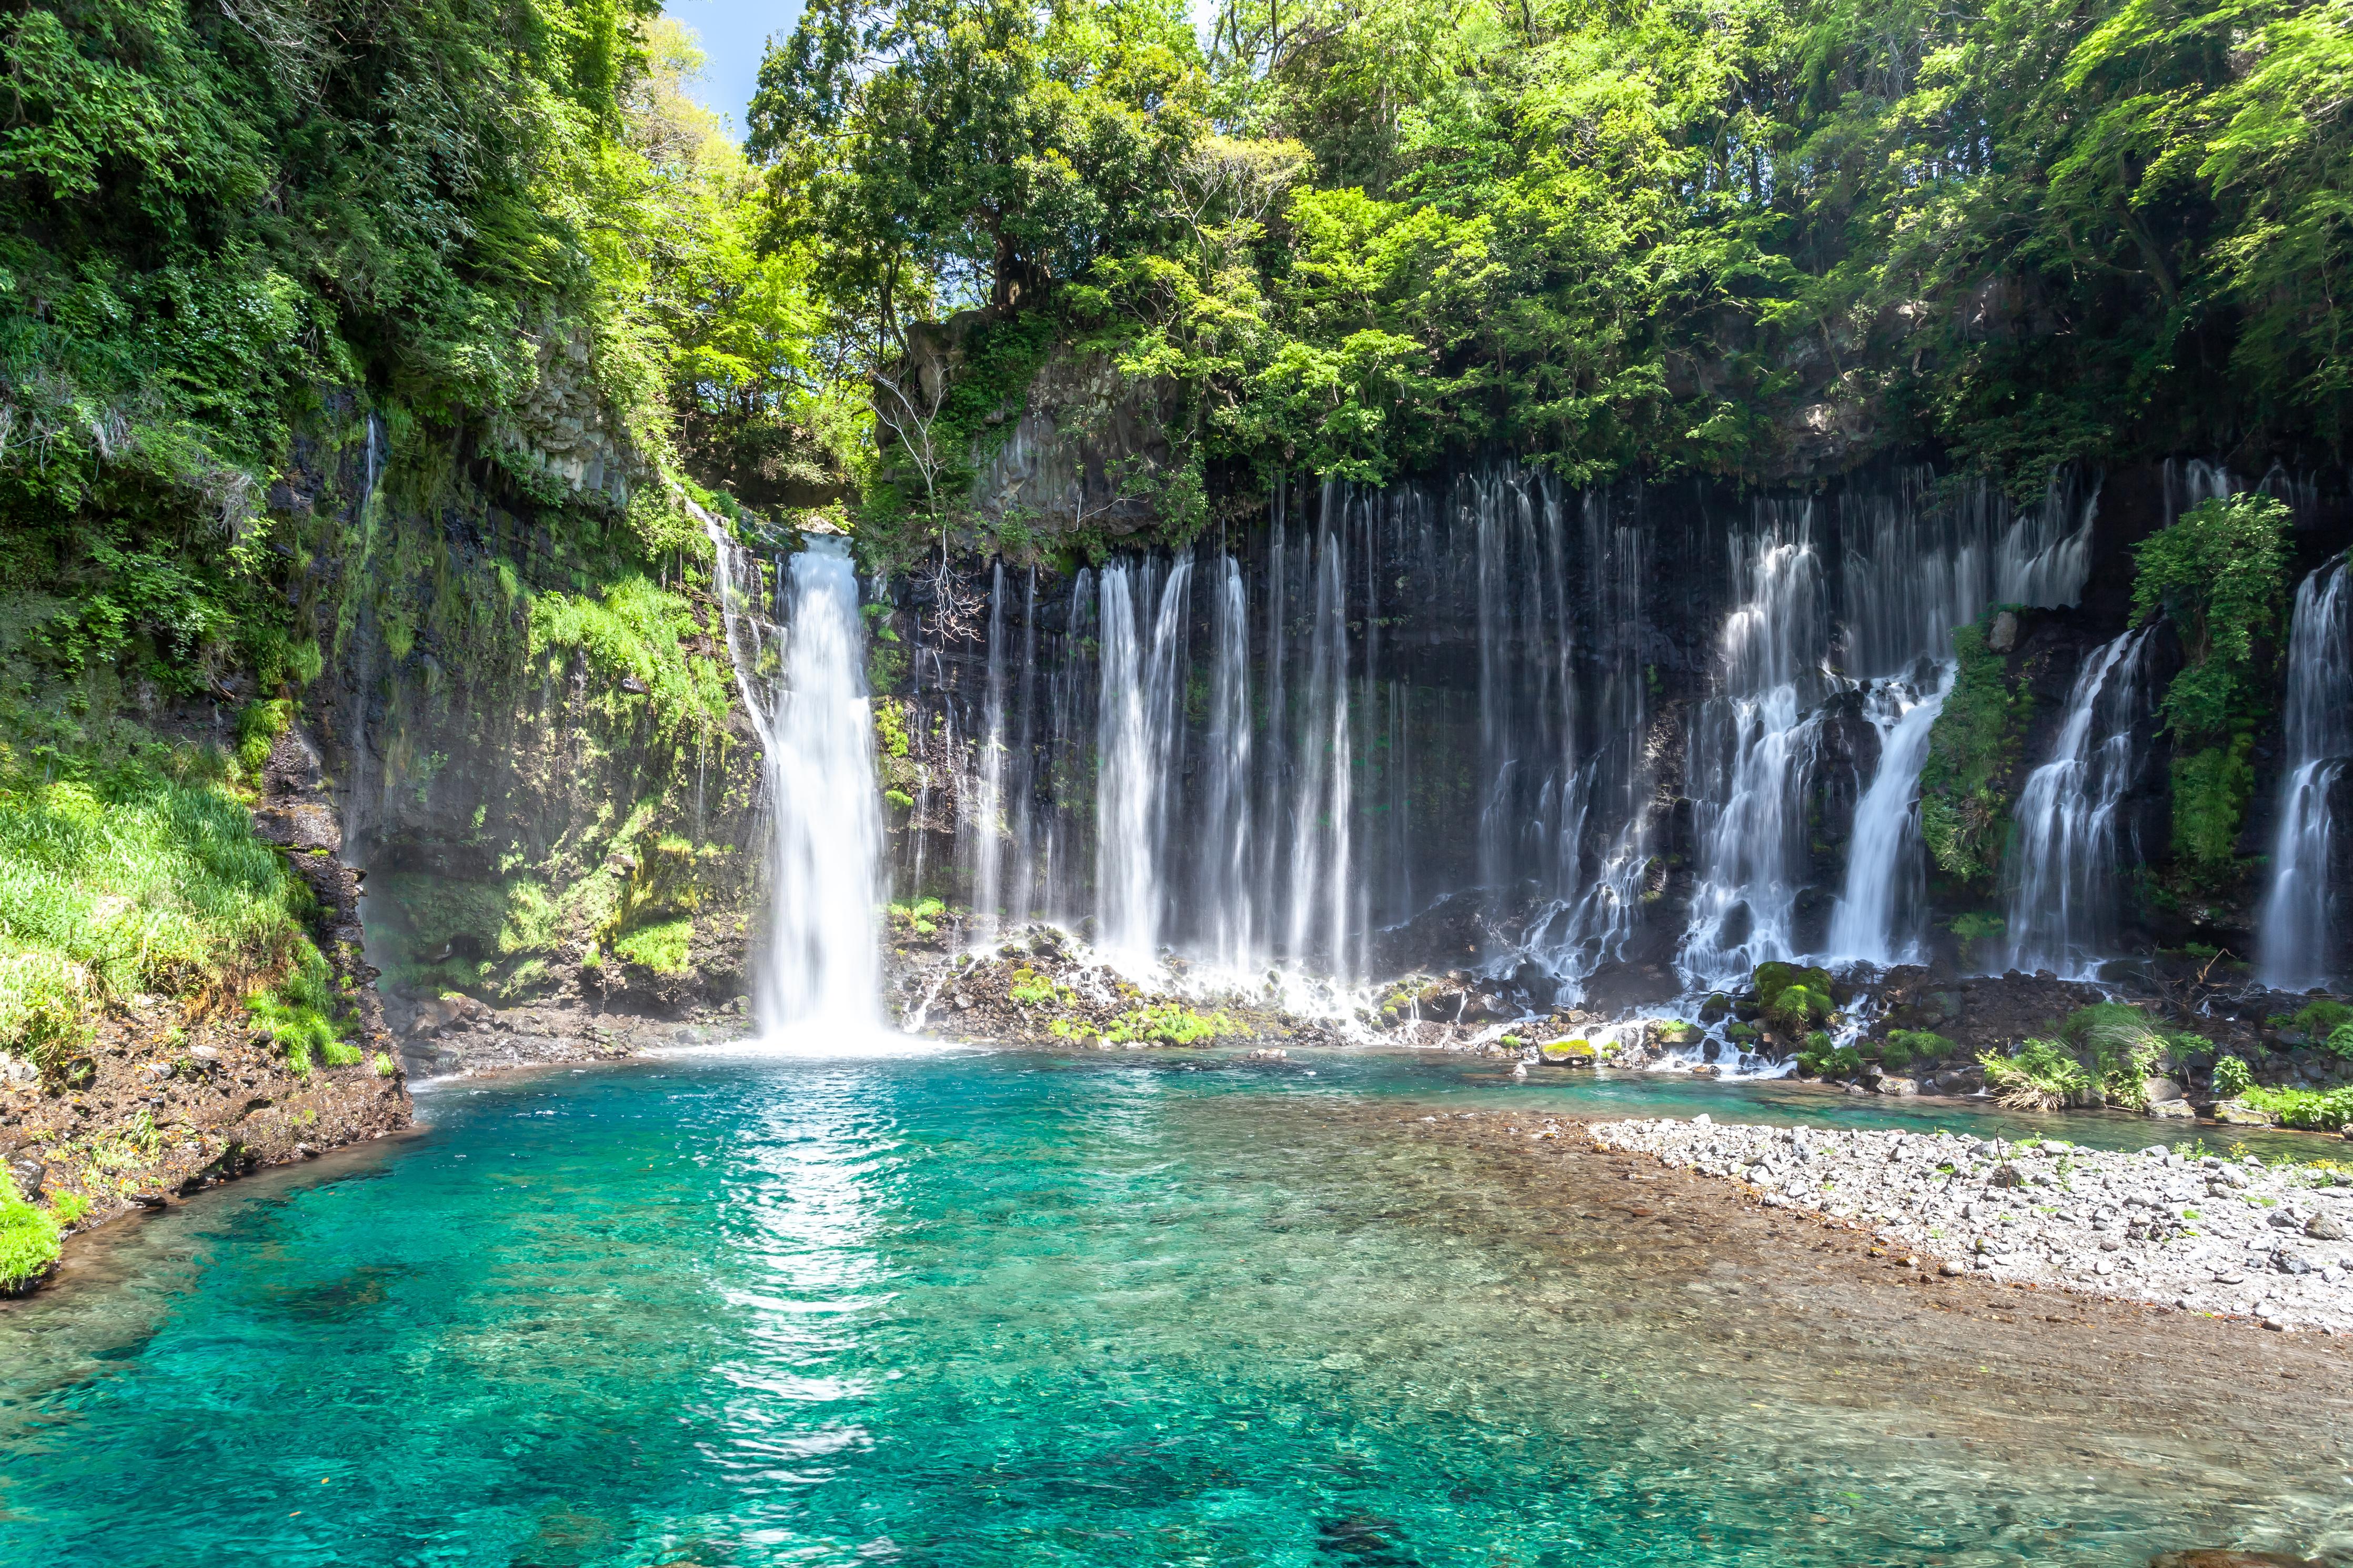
2299, 929
1877, 918
805, 686
1751, 749
2062, 872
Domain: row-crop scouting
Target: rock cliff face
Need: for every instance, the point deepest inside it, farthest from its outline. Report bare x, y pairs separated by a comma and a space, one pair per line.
535, 755
1641, 723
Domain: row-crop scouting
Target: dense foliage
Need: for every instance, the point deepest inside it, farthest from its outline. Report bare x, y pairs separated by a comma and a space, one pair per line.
1973, 752
244, 241
2220, 574
1352, 235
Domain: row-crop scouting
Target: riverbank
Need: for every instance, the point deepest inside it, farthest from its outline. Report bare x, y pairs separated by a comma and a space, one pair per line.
2195, 1232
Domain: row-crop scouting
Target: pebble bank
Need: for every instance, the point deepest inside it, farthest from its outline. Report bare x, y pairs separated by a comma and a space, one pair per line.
2202, 1233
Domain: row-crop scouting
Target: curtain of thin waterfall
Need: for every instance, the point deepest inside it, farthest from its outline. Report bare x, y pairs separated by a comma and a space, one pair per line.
2300, 930
1222, 893
1752, 748
2062, 874
986, 831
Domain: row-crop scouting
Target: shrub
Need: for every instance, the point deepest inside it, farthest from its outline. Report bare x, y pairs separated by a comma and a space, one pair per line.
2125, 1048
29, 1238
2340, 1041
2041, 1075
2317, 1020
2231, 1079
2311, 1109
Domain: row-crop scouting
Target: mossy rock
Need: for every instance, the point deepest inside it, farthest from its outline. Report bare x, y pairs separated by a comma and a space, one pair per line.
1674, 1032
1772, 979
1567, 1053
1716, 1008
1743, 1033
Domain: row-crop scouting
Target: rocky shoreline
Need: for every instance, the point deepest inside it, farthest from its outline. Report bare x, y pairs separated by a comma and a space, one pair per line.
2197, 1232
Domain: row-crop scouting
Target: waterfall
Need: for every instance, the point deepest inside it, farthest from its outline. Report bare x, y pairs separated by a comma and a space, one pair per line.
1223, 888
1751, 749
2062, 872
1321, 802
2299, 929
988, 807
804, 687
1140, 749
1878, 911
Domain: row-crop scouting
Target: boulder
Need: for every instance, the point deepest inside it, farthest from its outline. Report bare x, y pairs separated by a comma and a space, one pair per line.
1892, 1085
2239, 1113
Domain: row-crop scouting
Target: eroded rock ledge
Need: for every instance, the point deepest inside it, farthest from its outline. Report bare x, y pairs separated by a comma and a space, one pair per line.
2204, 1233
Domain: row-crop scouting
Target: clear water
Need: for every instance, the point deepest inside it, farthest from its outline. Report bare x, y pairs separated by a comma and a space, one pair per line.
983, 1309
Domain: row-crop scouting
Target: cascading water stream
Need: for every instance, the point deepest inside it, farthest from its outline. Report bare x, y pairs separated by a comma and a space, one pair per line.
2298, 929
1878, 910
2063, 873
820, 971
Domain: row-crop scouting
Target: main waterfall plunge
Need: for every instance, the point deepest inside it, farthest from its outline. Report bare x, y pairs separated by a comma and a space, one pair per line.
806, 686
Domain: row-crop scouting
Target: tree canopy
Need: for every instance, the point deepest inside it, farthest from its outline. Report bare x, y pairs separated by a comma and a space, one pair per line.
1642, 236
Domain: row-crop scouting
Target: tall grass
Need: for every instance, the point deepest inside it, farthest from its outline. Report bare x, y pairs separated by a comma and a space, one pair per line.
134, 882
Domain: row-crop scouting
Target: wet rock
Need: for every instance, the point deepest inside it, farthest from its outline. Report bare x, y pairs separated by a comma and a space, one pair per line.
2003, 636
29, 1174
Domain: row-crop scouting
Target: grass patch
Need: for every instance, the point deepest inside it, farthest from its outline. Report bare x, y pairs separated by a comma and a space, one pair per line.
134, 882
660, 947
300, 1010
29, 1238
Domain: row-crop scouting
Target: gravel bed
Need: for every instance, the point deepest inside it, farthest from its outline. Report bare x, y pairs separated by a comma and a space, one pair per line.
2205, 1234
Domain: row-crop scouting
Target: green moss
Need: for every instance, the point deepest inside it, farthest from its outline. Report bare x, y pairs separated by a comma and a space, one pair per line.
1157, 1023
1904, 1047
1973, 750
661, 947
636, 639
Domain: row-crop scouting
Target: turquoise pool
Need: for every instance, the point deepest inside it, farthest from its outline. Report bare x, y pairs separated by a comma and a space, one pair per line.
971, 1307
